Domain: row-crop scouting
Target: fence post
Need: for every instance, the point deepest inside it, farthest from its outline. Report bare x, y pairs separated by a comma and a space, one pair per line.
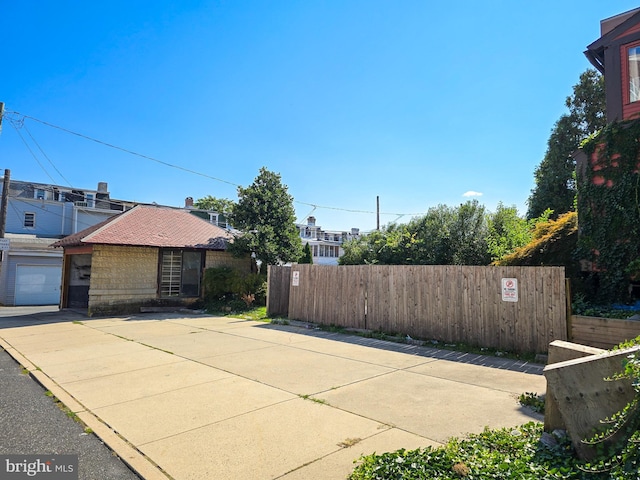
567, 290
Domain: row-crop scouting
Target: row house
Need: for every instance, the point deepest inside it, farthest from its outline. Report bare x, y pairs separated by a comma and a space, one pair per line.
326, 245
37, 215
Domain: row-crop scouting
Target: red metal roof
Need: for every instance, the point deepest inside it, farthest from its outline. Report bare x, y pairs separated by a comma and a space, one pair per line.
152, 226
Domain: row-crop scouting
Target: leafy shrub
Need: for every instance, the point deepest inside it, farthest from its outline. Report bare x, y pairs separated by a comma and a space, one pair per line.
532, 400
554, 243
580, 306
618, 443
508, 453
220, 281
225, 283
255, 284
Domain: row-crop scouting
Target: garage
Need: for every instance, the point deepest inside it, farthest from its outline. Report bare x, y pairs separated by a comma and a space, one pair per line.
37, 285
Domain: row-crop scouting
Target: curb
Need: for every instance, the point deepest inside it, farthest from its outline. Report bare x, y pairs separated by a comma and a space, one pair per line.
132, 457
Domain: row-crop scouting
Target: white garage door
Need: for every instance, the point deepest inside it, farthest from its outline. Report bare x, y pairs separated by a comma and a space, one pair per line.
38, 285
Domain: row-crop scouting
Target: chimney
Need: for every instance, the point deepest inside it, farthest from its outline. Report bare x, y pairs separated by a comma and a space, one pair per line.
311, 221
188, 202
102, 196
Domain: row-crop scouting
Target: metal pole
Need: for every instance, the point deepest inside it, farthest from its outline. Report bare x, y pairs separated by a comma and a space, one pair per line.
378, 212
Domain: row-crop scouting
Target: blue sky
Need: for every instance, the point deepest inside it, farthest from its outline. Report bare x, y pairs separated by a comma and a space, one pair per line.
417, 102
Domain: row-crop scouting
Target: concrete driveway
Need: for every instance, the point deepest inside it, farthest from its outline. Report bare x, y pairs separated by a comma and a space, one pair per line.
190, 396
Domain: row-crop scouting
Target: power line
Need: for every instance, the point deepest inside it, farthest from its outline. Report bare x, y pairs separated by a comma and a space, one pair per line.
45, 155
194, 172
31, 151
131, 152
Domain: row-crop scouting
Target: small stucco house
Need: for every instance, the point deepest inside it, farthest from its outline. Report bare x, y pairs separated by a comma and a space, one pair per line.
146, 256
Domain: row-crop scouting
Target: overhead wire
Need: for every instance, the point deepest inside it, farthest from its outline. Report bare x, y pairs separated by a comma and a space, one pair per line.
31, 152
188, 170
45, 155
125, 150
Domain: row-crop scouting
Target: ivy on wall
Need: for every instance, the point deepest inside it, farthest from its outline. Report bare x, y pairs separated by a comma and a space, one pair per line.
609, 209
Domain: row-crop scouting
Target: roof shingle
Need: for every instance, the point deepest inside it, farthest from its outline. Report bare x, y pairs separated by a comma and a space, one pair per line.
152, 226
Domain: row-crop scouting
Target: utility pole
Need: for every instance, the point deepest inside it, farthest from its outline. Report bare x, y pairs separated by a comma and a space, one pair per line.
4, 202
378, 212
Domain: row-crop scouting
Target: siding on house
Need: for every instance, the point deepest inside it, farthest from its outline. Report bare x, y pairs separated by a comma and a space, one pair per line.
49, 217
122, 276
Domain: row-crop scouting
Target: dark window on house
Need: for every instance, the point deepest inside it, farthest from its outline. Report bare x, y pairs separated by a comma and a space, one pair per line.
29, 220
180, 273
634, 73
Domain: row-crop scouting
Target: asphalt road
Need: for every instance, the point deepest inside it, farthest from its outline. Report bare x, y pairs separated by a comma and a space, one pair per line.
32, 424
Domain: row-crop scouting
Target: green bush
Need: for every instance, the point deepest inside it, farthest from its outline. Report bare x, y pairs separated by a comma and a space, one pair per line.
255, 284
508, 453
220, 281
225, 283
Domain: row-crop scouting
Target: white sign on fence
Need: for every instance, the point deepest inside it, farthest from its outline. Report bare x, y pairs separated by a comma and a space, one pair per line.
295, 281
509, 289
4, 244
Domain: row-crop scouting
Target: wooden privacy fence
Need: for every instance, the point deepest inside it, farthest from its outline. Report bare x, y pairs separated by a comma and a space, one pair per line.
451, 303
278, 281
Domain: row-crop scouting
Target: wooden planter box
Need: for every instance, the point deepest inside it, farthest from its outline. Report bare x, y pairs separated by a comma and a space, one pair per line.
601, 332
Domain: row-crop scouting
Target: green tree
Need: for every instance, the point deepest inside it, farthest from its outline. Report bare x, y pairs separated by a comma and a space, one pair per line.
444, 236
507, 231
266, 217
214, 204
555, 186
360, 250
307, 256
433, 234
469, 235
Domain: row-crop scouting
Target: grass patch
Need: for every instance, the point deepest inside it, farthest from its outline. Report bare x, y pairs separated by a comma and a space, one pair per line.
280, 321
349, 442
313, 399
237, 309
77, 322
63, 407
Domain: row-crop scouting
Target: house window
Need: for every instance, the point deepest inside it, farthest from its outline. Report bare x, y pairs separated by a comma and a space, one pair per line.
29, 220
180, 273
90, 198
39, 194
315, 250
218, 220
634, 73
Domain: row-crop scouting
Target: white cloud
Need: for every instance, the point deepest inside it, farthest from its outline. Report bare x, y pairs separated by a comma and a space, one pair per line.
471, 193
